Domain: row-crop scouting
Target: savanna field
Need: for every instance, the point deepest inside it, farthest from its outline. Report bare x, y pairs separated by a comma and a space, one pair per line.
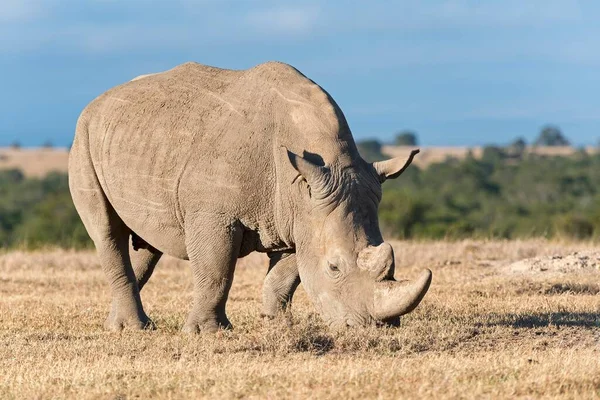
211, 128
503, 319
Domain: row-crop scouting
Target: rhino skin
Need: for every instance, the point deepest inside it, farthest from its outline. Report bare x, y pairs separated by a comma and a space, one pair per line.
209, 165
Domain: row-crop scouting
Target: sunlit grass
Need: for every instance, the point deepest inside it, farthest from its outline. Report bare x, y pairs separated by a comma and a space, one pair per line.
483, 330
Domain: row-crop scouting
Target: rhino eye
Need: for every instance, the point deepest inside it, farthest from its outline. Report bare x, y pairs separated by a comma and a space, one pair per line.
333, 267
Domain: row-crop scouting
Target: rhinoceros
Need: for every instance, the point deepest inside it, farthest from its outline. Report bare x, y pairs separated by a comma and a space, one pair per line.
208, 165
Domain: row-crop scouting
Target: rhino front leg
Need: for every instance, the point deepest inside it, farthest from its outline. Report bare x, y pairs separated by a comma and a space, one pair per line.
213, 248
280, 283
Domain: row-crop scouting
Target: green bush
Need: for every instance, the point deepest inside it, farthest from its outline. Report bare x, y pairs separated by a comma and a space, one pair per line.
38, 212
494, 197
574, 226
406, 138
370, 150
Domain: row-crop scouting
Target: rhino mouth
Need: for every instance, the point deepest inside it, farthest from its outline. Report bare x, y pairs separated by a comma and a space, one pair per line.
390, 300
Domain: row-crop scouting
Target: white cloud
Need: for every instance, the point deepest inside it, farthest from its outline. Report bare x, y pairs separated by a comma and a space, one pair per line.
198, 22
21, 10
508, 12
117, 38
393, 28
410, 16
294, 21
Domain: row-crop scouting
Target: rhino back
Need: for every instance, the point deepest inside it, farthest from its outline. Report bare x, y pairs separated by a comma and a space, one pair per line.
198, 139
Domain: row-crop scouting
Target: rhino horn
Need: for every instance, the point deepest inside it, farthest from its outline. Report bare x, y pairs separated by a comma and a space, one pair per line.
378, 261
394, 167
392, 299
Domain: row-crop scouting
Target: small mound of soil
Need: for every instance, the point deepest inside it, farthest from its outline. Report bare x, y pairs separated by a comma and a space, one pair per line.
574, 262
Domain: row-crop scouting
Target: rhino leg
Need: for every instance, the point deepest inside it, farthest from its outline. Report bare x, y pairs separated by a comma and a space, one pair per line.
280, 283
213, 247
143, 261
111, 238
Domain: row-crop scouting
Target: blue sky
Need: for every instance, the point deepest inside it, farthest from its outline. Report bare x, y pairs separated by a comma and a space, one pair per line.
455, 71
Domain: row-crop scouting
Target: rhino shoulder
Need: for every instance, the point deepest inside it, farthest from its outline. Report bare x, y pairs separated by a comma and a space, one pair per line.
292, 86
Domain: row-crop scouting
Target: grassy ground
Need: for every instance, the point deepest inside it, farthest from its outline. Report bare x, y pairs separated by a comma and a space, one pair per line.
484, 330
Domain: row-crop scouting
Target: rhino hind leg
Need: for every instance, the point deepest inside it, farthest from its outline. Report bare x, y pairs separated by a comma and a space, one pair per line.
213, 246
280, 284
111, 238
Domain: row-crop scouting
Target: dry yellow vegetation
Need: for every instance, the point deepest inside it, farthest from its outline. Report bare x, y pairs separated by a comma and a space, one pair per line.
489, 328
39, 162
35, 162
432, 155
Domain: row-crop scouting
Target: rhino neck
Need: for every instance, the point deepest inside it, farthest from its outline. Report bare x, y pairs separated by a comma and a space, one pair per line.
303, 118
289, 207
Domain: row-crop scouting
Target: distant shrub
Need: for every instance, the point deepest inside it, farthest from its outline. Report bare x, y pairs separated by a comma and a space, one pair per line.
517, 148
574, 226
551, 135
493, 154
370, 150
481, 198
406, 138
37, 212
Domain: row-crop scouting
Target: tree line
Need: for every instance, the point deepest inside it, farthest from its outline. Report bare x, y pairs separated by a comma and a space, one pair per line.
503, 194
36, 212
549, 136
506, 193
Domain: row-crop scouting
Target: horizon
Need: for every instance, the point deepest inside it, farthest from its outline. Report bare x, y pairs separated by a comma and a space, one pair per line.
456, 72
15, 146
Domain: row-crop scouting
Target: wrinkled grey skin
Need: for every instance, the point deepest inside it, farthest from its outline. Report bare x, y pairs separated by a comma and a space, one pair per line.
209, 165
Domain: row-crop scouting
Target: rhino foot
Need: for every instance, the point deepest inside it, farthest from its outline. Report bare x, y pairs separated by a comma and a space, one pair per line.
201, 325
278, 318
118, 320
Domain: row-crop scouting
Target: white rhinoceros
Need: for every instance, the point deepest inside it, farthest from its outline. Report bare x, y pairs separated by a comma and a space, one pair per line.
208, 165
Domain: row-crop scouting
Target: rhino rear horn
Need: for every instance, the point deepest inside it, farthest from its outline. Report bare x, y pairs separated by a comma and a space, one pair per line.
378, 261
394, 167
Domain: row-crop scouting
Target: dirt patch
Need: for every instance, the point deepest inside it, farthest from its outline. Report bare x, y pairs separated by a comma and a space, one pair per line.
573, 262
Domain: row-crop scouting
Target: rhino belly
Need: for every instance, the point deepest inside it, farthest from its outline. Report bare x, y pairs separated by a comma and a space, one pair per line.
147, 206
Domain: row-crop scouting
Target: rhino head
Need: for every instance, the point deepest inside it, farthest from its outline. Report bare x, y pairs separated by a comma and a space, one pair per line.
345, 266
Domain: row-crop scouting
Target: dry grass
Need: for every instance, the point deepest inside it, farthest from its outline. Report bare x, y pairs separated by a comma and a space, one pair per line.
484, 330
34, 162
431, 155
38, 162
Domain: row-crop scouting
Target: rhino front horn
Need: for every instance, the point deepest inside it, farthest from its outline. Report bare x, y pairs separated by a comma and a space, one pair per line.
392, 299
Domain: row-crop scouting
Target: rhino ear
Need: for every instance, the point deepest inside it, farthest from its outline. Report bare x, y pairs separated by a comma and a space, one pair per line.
394, 167
315, 175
